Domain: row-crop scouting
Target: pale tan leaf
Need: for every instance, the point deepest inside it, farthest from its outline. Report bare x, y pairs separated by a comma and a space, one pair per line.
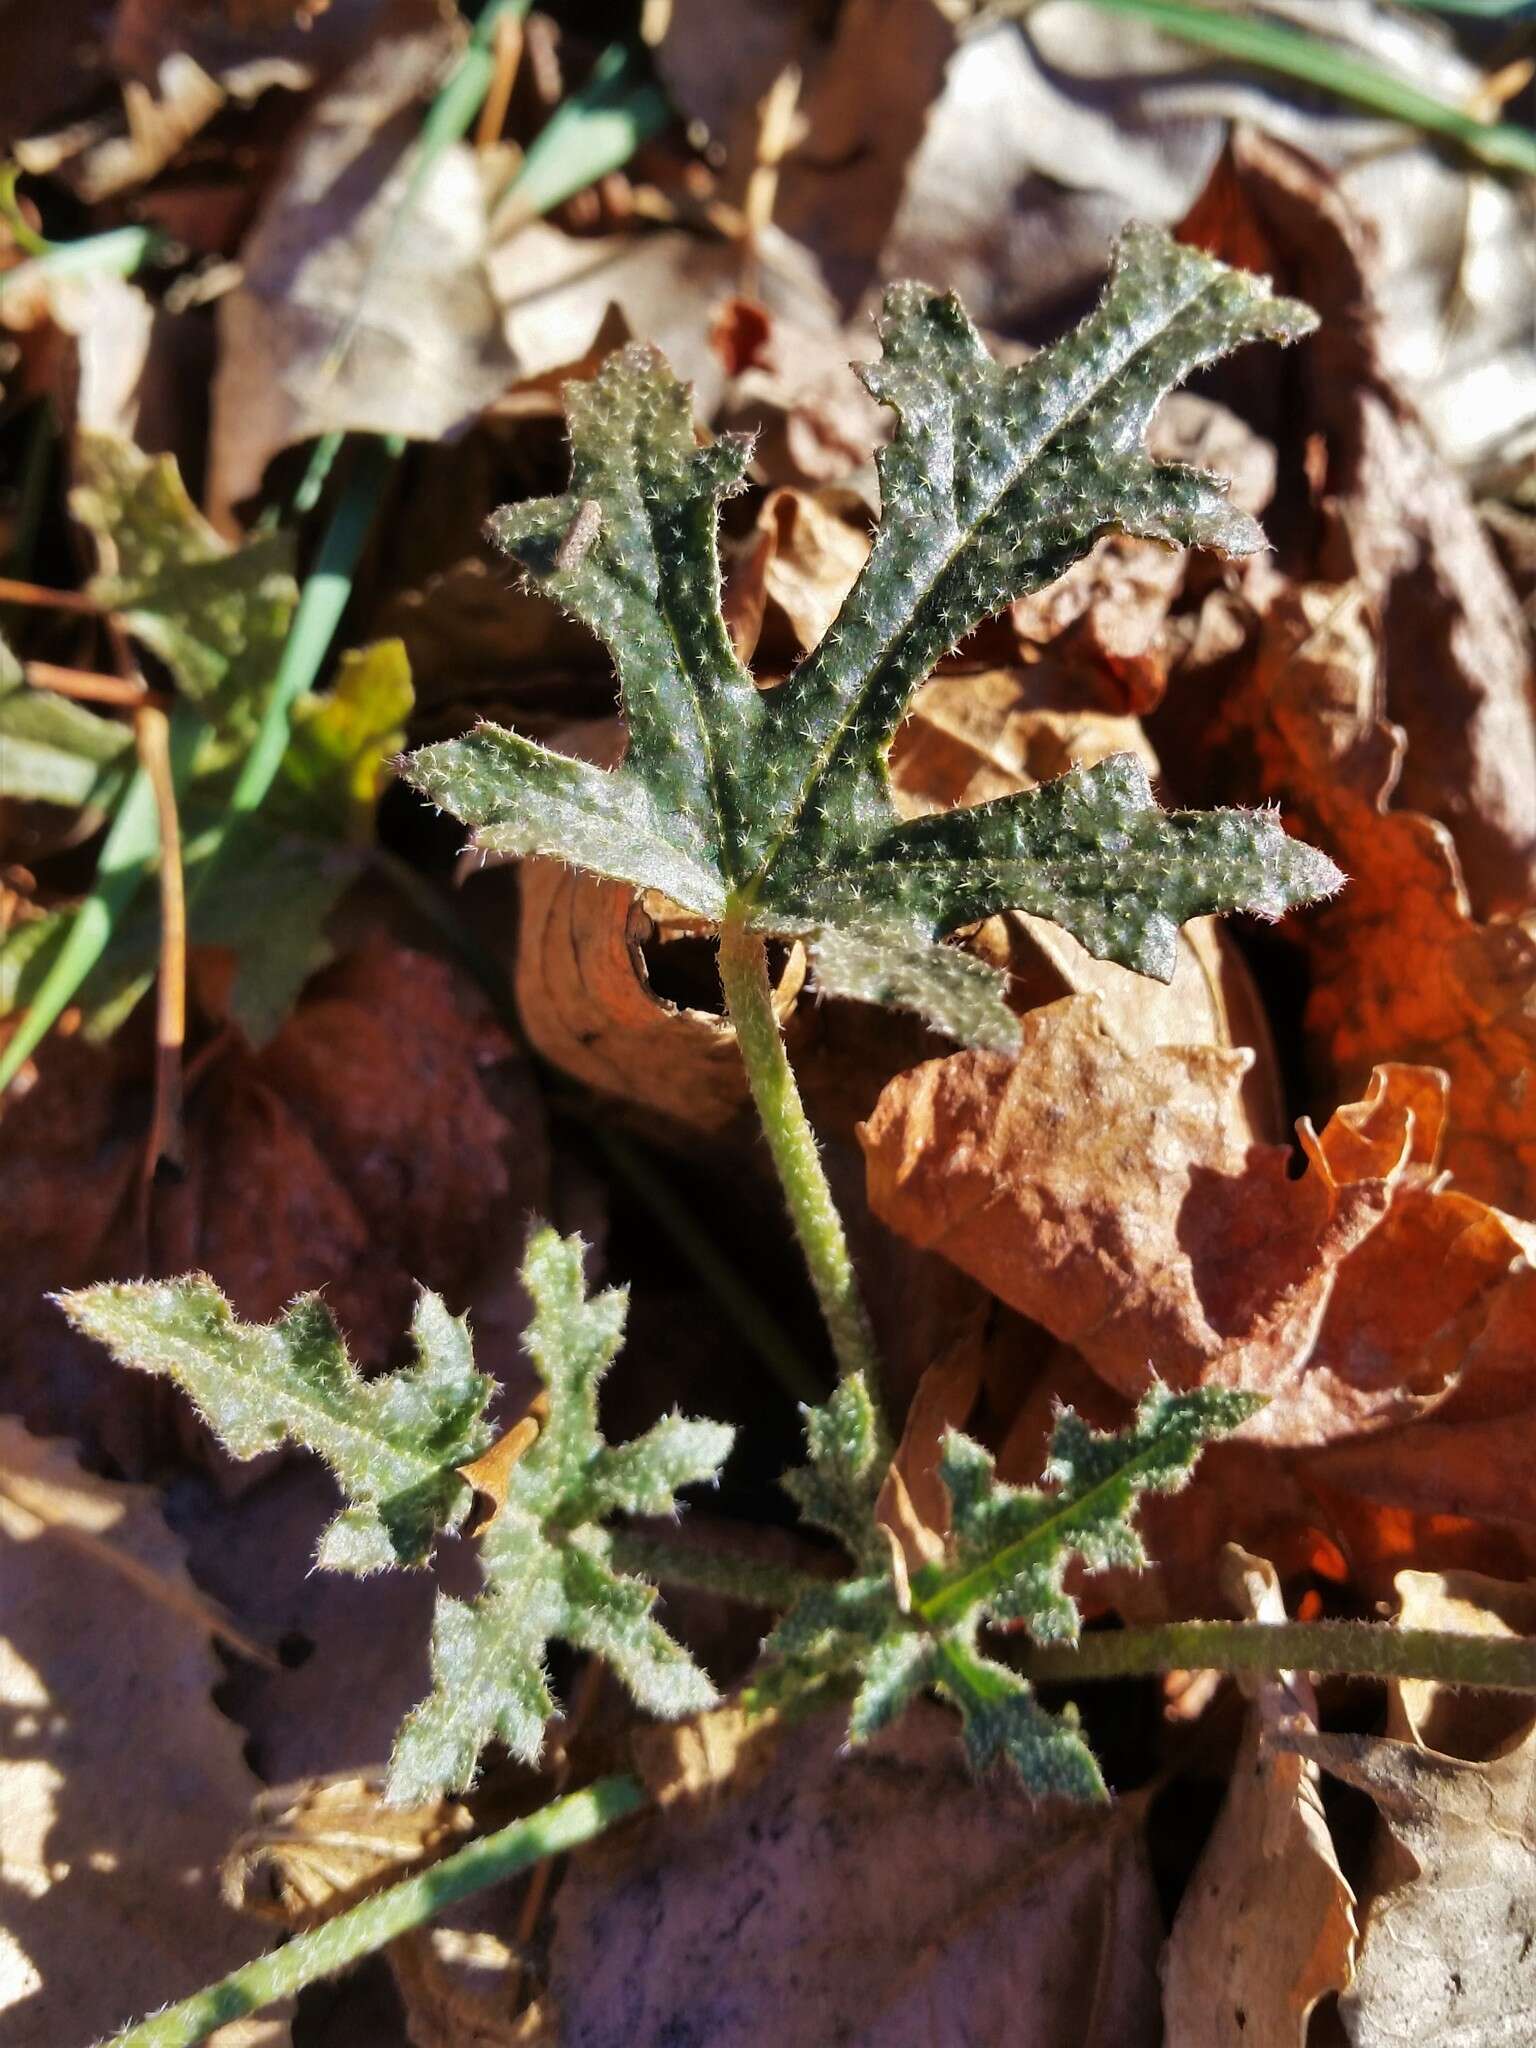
121, 1782
1266, 1927
1448, 1948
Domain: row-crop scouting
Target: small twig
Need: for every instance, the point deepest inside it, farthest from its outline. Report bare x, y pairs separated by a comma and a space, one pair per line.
13, 590
164, 1142
38, 1507
91, 687
778, 130
507, 52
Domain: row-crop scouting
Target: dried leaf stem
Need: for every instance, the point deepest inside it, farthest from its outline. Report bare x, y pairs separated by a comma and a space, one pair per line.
565, 1824
796, 1155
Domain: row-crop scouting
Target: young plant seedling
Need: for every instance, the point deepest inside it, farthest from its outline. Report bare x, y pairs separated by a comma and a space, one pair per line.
770, 812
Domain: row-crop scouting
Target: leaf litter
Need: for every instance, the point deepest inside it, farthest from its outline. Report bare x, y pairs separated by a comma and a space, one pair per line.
1120, 1196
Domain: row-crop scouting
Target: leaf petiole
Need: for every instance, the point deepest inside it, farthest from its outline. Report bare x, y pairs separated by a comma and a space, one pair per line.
796, 1155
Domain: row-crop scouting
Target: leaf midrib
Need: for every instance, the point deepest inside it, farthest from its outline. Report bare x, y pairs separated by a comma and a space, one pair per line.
722, 862
306, 1401
958, 1592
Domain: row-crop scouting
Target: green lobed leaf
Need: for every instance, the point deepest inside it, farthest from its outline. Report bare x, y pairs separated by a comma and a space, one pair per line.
392, 1442
837, 1487
1005, 1562
395, 1444
957, 994
1010, 1544
215, 615
545, 1558
54, 751
775, 807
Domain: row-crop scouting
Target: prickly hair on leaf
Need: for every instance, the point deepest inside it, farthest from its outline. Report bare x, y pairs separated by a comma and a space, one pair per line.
1004, 1564
774, 806
546, 1558
393, 1442
395, 1445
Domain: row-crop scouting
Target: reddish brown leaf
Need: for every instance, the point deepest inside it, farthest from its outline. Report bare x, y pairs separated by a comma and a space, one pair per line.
1115, 1200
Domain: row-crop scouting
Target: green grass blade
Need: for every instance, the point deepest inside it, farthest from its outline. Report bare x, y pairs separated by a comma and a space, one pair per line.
122, 250
1482, 10
595, 131
1276, 46
322, 601
126, 856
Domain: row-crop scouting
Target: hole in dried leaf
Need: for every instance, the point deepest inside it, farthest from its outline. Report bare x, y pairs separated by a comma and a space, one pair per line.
682, 969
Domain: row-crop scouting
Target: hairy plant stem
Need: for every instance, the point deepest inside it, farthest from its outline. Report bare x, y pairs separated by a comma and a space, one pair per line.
1348, 1649
792, 1142
565, 1824
756, 1582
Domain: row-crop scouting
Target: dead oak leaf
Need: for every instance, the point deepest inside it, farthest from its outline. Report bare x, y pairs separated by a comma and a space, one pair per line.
1400, 966
364, 1147
1457, 668
1116, 1200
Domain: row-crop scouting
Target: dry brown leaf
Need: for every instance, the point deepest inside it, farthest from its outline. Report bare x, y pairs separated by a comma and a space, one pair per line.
1266, 1927
798, 565
478, 644
45, 1493
365, 1138
353, 313
364, 1148
558, 291
914, 1502
1448, 1949
354, 1651
1457, 660
1400, 968
867, 80
1043, 1931
460, 1986
587, 1003
1115, 1199
315, 1848
101, 1862
792, 385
